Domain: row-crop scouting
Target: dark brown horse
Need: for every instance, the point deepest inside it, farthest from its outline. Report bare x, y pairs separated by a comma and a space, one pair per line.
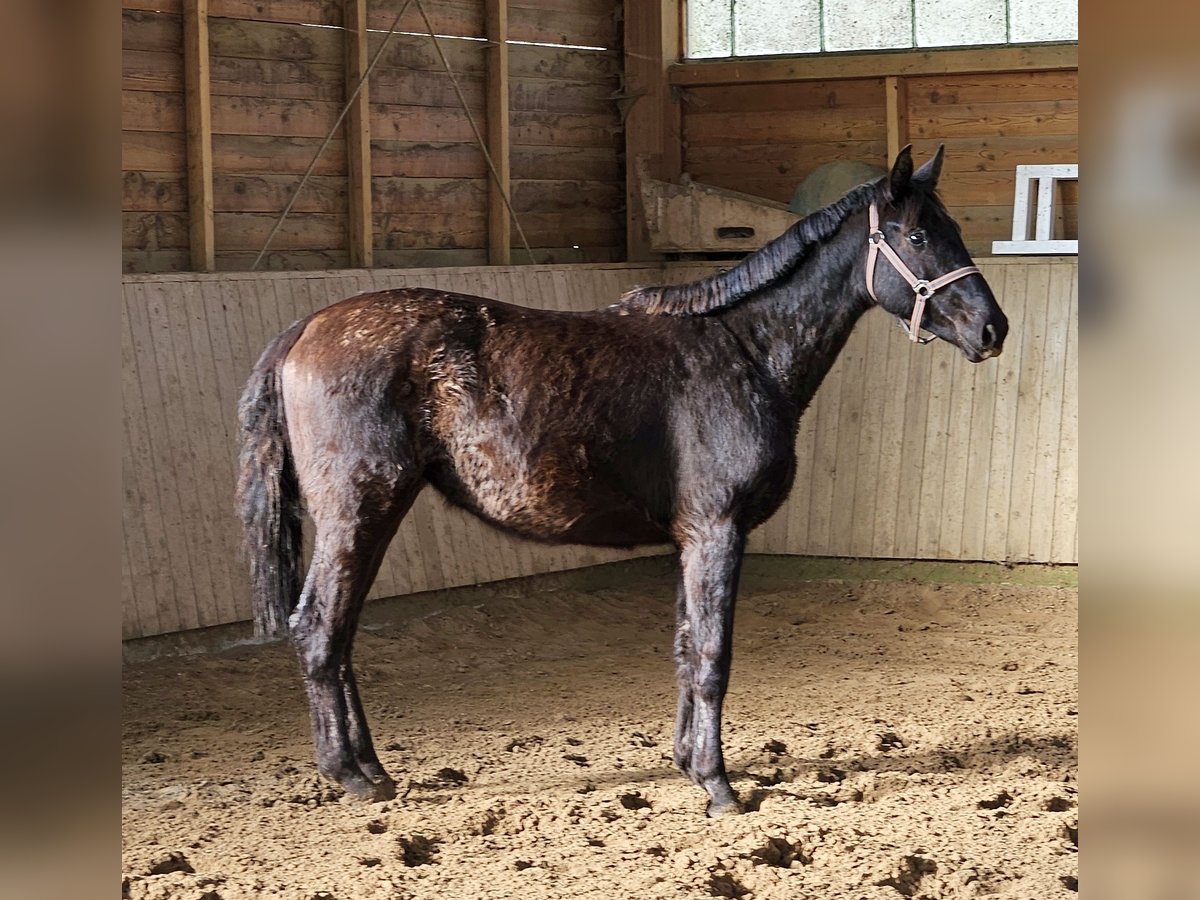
668, 417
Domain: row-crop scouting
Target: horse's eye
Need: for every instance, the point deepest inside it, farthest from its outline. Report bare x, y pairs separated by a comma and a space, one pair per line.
917, 237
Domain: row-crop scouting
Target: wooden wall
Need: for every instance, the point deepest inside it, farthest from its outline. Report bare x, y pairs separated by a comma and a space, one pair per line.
154, 235
278, 83
764, 138
907, 452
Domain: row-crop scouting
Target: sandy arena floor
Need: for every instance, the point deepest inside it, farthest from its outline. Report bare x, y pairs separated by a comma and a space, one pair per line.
894, 738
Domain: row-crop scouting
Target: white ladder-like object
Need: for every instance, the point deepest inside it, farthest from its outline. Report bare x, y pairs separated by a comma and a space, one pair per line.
1043, 179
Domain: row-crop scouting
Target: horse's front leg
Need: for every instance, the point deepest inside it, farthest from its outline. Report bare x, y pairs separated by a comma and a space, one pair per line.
711, 559
685, 667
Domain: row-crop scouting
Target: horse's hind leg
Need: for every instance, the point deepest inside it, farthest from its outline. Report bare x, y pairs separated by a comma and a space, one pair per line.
359, 733
354, 524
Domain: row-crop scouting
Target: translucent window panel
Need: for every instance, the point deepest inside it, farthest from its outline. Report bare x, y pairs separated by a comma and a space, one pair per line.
777, 26
1043, 20
946, 23
858, 25
709, 28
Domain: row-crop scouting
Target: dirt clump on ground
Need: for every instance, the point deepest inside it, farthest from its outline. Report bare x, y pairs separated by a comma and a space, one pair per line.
891, 739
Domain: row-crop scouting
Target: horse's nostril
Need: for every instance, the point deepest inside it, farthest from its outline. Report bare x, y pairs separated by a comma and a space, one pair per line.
989, 336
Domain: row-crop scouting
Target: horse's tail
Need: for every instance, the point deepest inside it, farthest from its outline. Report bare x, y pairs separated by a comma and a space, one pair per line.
268, 494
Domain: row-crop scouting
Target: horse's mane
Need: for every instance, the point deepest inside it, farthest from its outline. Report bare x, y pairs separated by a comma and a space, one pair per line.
758, 270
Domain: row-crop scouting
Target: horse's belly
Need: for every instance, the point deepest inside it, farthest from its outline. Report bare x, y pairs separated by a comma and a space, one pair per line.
551, 495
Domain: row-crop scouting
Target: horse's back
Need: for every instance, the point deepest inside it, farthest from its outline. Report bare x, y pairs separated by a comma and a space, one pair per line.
546, 423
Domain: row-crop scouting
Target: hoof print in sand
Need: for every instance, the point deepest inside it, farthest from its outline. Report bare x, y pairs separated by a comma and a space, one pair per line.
634, 800
723, 884
1001, 800
776, 748
174, 861
418, 849
780, 852
912, 871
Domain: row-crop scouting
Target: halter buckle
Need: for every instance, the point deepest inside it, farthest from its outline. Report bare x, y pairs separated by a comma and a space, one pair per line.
875, 237
923, 289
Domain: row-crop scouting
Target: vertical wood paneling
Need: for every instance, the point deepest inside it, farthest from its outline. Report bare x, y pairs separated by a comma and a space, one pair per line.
1065, 532
978, 467
906, 451
827, 407
1033, 351
950, 510
866, 464
213, 441
853, 362
1004, 420
168, 472
151, 587
912, 455
1050, 413
891, 437
932, 468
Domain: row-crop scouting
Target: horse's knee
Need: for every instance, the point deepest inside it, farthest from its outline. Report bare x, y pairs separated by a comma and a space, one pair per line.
712, 678
317, 654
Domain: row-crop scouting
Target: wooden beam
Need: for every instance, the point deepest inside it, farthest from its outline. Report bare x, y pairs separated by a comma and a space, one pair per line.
358, 137
896, 95
198, 104
498, 121
878, 64
653, 42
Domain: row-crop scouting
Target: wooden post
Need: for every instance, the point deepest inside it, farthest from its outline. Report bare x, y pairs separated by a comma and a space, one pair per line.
896, 88
499, 221
198, 103
652, 120
358, 136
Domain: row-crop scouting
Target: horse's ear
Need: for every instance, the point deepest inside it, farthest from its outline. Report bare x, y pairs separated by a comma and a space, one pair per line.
902, 171
928, 174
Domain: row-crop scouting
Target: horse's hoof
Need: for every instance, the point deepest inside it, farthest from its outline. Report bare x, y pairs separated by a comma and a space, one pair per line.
369, 790
725, 808
385, 789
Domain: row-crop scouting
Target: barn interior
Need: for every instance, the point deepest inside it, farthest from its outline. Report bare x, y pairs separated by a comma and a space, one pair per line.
903, 707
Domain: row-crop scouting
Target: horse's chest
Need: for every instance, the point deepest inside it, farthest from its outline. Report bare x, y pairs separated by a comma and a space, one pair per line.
766, 492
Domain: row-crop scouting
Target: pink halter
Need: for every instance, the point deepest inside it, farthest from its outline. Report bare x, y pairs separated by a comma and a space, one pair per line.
922, 289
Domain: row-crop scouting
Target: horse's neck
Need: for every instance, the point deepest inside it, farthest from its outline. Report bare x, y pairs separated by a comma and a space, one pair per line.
797, 327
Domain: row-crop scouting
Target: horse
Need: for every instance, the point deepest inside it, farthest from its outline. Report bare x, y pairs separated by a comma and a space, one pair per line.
668, 417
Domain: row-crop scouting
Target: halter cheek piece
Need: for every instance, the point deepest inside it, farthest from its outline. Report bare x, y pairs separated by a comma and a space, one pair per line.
922, 289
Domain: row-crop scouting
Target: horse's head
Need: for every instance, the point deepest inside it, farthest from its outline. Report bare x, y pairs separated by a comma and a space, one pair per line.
919, 270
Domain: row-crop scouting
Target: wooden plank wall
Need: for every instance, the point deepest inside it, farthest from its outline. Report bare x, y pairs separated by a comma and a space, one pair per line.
154, 234
278, 83
764, 139
567, 141
907, 451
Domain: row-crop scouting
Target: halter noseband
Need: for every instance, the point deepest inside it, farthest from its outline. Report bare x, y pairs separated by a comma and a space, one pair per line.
922, 289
